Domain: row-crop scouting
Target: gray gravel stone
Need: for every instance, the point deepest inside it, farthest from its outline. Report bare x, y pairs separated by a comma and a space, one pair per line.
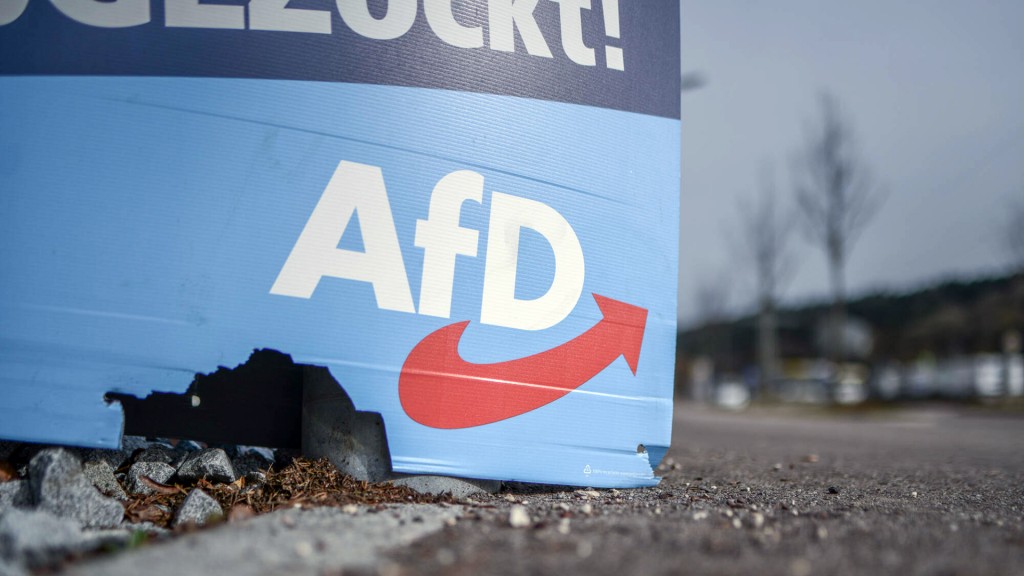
156, 471
157, 454
250, 462
36, 538
212, 463
457, 487
133, 443
354, 441
117, 458
59, 486
267, 453
113, 458
198, 509
188, 446
15, 493
101, 474
254, 481
294, 542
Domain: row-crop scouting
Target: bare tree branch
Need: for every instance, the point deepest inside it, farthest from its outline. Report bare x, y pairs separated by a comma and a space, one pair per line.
766, 231
837, 198
765, 238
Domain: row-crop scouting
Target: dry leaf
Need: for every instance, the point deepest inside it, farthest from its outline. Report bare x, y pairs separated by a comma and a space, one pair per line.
7, 471
158, 487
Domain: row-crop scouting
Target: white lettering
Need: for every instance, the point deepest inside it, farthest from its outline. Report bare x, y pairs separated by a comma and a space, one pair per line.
571, 15
10, 10
275, 15
614, 58
117, 14
442, 22
504, 17
192, 14
454, 22
500, 307
357, 190
442, 239
353, 189
397, 20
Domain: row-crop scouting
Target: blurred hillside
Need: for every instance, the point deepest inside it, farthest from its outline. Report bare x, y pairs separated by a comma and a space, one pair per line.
949, 330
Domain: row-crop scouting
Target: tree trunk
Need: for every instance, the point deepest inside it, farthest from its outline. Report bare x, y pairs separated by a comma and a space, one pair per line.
835, 341
767, 342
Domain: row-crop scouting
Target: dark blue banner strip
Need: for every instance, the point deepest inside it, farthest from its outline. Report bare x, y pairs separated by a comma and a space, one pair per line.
619, 54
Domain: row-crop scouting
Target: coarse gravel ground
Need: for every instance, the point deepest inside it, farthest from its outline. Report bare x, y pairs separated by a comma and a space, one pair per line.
927, 490
294, 542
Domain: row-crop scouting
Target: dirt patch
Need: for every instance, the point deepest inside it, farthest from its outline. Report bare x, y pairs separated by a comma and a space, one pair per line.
304, 483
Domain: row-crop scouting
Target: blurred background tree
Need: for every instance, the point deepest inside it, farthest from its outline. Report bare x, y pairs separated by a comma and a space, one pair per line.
765, 234
837, 199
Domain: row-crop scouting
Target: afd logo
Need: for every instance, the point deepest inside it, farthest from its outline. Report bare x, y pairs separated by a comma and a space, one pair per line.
360, 188
437, 387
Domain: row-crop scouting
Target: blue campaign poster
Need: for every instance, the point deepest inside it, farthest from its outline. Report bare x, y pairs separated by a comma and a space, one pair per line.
466, 210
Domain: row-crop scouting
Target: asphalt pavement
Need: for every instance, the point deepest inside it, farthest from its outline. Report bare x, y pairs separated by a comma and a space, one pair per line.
933, 489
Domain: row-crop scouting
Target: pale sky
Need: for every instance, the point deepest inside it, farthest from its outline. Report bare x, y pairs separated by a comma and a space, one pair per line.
935, 92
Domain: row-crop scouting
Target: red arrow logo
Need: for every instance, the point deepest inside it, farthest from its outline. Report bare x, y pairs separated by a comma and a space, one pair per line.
441, 390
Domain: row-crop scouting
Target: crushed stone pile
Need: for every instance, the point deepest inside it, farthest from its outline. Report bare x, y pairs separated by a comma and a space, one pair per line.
60, 503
